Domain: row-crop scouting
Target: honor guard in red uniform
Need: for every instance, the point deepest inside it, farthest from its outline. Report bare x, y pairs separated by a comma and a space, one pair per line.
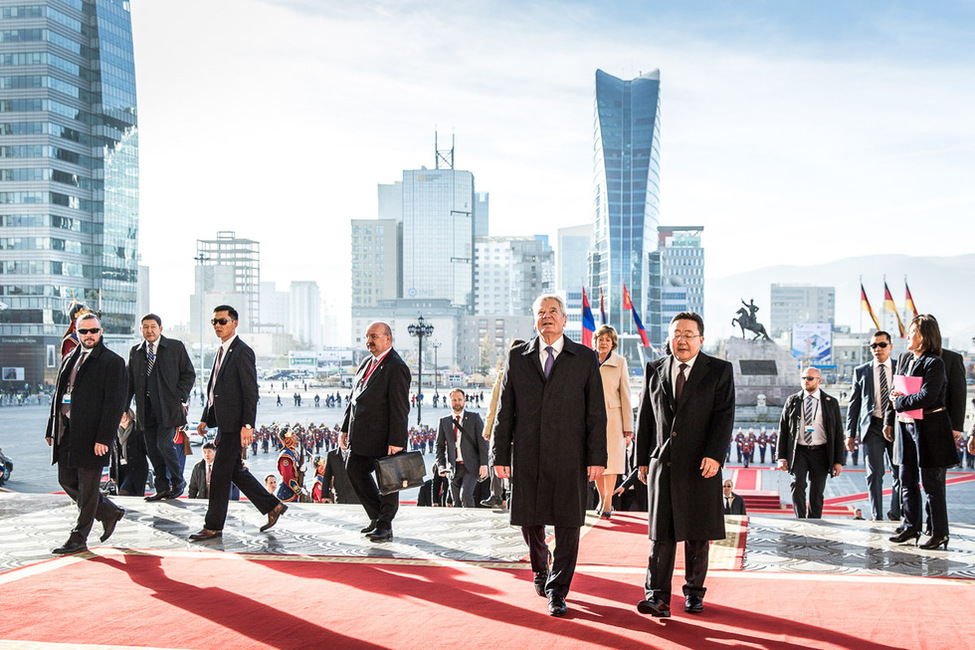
318, 494
290, 467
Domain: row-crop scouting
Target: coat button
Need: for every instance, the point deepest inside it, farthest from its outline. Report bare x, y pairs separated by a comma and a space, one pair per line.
668, 463
673, 435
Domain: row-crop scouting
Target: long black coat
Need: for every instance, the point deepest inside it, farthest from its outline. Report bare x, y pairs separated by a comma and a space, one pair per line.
674, 437
935, 443
791, 425
170, 384
97, 404
549, 432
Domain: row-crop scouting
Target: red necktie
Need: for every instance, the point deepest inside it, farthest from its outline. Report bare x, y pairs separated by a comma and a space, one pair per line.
456, 428
679, 388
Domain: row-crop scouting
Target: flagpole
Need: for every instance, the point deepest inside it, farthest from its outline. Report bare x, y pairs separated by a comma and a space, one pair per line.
861, 303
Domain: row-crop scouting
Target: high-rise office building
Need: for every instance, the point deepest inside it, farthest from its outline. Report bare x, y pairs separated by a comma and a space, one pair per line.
676, 278
69, 177
482, 213
509, 273
228, 271
800, 303
627, 186
306, 313
571, 257
377, 272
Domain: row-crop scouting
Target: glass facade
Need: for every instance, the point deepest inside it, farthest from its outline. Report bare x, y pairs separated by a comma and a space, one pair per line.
626, 156
69, 175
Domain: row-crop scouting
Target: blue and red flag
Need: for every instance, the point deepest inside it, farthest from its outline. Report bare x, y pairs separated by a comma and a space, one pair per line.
588, 322
636, 317
602, 307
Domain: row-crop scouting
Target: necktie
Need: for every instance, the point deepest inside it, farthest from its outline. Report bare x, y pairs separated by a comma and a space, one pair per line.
372, 366
150, 358
550, 361
807, 430
679, 388
727, 505
884, 390
66, 408
456, 428
216, 369
209, 470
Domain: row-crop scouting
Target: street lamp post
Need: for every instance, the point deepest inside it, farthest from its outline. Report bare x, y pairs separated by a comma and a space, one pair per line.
419, 329
436, 366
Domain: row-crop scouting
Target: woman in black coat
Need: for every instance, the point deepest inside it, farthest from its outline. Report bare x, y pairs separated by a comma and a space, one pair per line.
927, 444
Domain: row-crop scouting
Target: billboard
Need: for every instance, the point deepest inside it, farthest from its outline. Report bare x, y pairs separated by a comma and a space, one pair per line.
813, 343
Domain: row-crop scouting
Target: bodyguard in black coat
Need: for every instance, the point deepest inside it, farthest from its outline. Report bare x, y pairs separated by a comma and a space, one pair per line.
684, 428
86, 409
375, 426
159, 399
550, 439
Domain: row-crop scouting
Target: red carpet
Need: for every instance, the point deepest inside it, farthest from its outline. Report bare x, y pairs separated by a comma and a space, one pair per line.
215, 600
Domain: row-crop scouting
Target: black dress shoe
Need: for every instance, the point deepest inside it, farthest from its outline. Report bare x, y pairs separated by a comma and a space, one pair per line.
272, 517
493, 502
204, 534
70, 547
890, 515
176, 491
381, 535
694, 604
158, 496
110, 523
935, 542
371, 528
654, 607
906, 536
556, 605
539, 579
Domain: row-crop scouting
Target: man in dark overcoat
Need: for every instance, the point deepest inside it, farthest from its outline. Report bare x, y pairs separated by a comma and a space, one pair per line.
86, 409
550, 439
685, 421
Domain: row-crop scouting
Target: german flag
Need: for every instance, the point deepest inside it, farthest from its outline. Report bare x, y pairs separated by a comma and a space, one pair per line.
910, 308
890, 306
865, 306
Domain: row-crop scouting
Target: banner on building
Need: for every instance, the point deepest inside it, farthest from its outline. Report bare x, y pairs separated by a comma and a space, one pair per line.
813, 343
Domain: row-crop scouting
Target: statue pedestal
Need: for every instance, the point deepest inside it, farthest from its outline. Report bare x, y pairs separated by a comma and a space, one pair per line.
761, 368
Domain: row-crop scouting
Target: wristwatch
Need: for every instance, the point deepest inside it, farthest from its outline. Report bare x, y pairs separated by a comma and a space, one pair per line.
247, 426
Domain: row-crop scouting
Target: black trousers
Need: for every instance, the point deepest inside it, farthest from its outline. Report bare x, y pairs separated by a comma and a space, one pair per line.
810, 465
462, 485
81, 484
380, 509
162, 454
660, 569
228, 468
563, 560
932, 480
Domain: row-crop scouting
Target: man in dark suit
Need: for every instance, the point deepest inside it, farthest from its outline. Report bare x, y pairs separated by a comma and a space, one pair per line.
810, 443
733, 503
161, 377
200, 476
462, 451
551, 429
231, 406
335, 480
685, 421
869, 420
375, 425
88, 403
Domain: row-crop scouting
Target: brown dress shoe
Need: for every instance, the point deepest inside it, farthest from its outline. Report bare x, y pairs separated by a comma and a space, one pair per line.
206, 533
272, 517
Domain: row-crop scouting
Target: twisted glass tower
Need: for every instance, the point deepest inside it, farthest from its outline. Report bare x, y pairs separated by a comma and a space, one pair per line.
626, 156
69, 176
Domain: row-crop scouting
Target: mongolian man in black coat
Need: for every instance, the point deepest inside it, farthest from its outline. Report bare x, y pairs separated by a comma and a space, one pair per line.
88, 403
550, 439
685, 421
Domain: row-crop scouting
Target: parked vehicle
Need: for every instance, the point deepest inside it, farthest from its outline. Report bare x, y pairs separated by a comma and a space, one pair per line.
6, 467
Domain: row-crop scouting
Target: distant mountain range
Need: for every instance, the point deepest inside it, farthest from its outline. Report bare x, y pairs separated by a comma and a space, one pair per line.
943, 286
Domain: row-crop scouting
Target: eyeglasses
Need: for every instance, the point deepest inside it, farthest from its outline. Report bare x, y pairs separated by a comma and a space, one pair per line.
684, 337
93, 330
220, 321
881, 345
809, 378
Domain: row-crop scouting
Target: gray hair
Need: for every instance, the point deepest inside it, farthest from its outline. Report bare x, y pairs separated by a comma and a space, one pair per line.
549, 296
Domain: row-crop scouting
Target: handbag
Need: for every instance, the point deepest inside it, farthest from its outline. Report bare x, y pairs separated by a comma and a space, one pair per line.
400, 472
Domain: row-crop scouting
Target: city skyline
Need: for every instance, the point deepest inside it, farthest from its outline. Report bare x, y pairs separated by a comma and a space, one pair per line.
845, 123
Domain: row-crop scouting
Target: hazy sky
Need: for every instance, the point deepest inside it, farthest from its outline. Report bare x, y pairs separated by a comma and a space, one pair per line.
793, 132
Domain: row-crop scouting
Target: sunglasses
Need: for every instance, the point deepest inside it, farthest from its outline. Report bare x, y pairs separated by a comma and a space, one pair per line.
809, 378
220, 321
881, 345
93, 330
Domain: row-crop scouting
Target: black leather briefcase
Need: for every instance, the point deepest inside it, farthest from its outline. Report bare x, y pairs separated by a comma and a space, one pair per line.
400, 472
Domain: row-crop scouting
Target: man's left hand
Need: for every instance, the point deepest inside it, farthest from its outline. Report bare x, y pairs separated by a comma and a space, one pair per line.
100, 449
709, 467
246, 436
595, 471
837, 469
393, 450
958, 435
483, 472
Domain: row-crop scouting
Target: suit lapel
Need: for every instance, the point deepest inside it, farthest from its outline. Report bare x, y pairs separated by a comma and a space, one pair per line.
531, 351
698, 370
663, 374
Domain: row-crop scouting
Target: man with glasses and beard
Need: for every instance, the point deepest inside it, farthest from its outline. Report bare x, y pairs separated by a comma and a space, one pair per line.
88, 403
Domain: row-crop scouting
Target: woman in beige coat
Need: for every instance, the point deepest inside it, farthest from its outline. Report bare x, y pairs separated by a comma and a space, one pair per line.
619, 414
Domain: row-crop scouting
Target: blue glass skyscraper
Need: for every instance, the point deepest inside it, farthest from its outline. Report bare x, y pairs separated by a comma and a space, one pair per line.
69, 176
627, 187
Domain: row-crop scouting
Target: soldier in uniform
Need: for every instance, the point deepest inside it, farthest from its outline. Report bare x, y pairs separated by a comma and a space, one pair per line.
290, 467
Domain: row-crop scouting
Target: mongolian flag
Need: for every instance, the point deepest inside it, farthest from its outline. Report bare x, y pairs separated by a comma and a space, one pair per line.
911, 309
628, 304
865, 306
588, 323
890, 306
602, 307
